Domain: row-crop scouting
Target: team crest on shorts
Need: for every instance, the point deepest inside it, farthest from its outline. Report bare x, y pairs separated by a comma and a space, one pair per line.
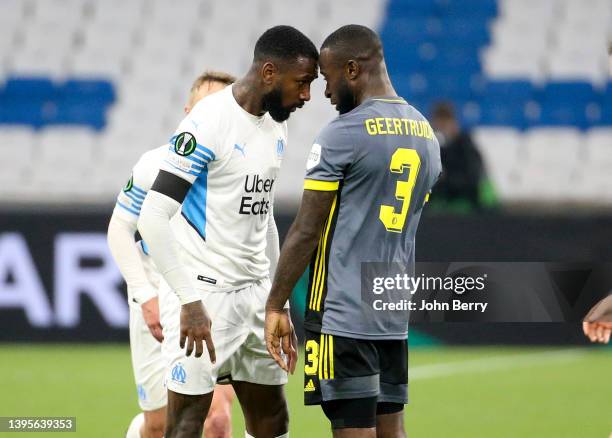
142, 394
178, 373
185, 144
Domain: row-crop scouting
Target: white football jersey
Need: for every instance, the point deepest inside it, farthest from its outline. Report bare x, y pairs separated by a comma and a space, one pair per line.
232, 159
130, 199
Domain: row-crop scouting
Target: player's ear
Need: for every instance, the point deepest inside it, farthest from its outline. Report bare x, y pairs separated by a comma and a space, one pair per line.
268, 71
351, 69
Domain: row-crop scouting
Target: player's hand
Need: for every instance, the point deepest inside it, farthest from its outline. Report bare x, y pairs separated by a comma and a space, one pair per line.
598, 331
150, 313
196, 330
279, 334
293, 356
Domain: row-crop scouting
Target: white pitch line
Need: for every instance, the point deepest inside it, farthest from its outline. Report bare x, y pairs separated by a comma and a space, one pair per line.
493, 363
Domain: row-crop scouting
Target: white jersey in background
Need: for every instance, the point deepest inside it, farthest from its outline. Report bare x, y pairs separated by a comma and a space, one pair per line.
142, 278
232, 159
128, 205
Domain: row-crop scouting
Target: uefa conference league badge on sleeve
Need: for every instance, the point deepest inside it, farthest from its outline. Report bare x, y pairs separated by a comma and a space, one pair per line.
128, 186
183, 145
483, 291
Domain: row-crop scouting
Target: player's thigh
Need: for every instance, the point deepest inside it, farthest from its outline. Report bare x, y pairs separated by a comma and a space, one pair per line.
337, 368
264, 408
191, 375
186, 414
148, 363
252, 362
393, 363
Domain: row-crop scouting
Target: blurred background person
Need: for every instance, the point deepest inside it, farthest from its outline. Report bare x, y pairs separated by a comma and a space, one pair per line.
463, 169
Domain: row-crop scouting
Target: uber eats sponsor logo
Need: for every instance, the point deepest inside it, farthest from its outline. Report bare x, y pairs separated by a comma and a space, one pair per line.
256, 204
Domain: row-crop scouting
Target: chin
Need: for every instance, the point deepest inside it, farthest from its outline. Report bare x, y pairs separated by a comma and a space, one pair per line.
280, 117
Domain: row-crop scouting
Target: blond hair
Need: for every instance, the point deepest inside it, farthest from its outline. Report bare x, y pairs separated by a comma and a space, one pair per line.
211, 76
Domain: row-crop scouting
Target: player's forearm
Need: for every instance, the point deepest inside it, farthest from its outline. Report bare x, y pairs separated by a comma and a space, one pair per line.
601, 312
295, 255
124, 251
272, 245
154, 226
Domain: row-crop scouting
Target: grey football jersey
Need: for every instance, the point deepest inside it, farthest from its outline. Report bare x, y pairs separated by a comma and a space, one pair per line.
383, 159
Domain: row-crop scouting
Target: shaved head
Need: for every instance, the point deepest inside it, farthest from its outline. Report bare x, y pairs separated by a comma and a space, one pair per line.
356, 42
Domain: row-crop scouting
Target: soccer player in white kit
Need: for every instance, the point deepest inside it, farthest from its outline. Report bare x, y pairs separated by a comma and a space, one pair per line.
143, 280
221, 172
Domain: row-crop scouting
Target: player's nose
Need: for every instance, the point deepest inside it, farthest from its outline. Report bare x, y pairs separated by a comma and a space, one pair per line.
305, 95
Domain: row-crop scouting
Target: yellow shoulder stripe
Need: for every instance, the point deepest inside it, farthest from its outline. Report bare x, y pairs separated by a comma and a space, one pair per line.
322, 186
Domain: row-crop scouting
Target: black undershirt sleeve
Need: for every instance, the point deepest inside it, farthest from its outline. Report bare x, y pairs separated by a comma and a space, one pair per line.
171, 185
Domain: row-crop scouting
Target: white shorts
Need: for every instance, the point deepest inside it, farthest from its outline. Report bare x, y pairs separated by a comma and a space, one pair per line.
148, 363
238, 335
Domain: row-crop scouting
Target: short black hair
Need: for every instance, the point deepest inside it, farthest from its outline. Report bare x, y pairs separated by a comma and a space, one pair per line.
443, 110
285, 43
354, 41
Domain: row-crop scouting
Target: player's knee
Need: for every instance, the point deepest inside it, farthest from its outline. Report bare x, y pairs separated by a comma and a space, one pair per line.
154, 428
218, 424
281, 414
274, 421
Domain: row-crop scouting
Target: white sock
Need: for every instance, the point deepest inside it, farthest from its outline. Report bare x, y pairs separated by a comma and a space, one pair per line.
134, 429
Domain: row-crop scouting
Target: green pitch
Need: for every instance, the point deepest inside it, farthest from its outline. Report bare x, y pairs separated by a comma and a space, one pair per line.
459, 392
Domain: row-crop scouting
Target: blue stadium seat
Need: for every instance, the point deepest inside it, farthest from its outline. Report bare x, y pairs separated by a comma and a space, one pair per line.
405, 60
562, 92
507, 114
28, 88
456, 86
23, 113
79, 114
38, 102
420, 8
98, 92
410, 30
476, 9
454, 58
560, 114
509, 91
468, 32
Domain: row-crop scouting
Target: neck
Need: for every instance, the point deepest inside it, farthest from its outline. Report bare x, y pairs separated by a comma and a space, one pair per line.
377, 84
247, 93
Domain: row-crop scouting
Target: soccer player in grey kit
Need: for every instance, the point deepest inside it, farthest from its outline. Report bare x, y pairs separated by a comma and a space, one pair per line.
369, 174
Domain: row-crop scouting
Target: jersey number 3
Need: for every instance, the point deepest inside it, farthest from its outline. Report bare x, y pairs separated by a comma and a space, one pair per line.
401, 160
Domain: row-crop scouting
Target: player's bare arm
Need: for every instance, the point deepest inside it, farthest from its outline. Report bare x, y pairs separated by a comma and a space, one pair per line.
296, 253
164, 200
